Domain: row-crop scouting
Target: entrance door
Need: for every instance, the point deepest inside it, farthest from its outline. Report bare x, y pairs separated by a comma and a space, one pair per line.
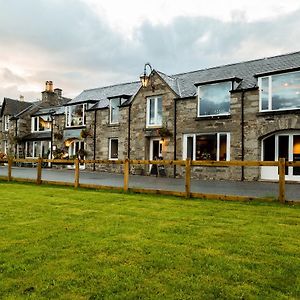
281, 146
155, 149
76, 149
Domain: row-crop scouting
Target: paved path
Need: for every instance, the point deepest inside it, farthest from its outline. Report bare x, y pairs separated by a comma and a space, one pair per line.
252, 189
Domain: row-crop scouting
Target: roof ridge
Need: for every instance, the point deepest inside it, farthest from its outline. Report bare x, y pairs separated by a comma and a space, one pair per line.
109, 86
237, 63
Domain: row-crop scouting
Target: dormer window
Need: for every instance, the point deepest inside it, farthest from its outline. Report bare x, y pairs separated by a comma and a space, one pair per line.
279, 91
214, 99
114, 104
6, 122
75, 115
41, 123
154, 111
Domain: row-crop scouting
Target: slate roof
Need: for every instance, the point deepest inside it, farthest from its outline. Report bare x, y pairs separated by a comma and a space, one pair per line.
53, 110
34, 136
13, 107
183, 84
101, 95
244, 70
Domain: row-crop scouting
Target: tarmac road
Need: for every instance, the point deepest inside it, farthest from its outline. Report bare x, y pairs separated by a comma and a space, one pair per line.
252, 189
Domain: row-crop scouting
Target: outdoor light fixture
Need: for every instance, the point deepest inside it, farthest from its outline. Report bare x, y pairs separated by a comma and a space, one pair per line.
146, 79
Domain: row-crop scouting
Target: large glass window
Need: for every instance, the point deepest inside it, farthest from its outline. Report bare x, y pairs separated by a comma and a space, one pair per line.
207, 146
75, 115
41, 123
38, 149
279, 92
114, 110
113, 148
214, 99
154, 111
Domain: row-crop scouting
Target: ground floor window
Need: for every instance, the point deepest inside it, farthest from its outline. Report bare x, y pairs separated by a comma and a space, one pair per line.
282, 145
37, 149
113, 148
215, 146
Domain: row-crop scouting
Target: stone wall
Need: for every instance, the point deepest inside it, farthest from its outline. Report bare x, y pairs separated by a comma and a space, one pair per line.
140, 134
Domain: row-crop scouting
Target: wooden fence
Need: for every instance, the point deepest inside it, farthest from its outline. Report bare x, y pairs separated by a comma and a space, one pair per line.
187, 164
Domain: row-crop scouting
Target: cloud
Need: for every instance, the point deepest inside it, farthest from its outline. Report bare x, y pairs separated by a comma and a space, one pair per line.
67, 42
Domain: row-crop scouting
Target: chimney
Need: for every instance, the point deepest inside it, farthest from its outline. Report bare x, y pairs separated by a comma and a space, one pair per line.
49, 86
21, 98
58, 92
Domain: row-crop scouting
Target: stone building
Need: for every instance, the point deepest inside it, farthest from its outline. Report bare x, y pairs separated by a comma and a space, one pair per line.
243, 111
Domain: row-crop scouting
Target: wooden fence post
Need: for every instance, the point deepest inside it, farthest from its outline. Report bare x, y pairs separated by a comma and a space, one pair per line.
126, 174
281, 190
39, 171
188, 178
76, 182
9, 166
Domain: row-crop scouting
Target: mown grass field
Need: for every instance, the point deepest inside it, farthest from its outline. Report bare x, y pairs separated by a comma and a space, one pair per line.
61, 243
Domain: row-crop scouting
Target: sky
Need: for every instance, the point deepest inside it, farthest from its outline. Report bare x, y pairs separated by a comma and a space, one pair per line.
82, 44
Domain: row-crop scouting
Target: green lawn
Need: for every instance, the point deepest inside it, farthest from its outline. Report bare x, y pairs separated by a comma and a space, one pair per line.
61, 243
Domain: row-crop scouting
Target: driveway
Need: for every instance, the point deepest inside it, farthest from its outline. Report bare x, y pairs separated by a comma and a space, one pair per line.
251, 189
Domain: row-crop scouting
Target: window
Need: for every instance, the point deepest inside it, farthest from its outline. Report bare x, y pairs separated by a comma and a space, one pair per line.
41, 123
154, 111
114, 110
75, 115
38, 149
6, 122
214, 99
113, 148
279, 92
5, 147
214, 146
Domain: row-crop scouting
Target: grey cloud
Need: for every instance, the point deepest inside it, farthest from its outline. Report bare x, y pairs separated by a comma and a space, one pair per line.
86, 52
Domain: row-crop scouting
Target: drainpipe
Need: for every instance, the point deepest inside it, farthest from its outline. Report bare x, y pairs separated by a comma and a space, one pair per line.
128, 136
94, 139
51, 146
175, 133
16, 134
243, 133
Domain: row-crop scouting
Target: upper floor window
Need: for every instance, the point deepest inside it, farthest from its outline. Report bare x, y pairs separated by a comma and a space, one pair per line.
114, 110
6, 122
214, 146
41, 123
75, 115
214, 99
280, 91
154, 111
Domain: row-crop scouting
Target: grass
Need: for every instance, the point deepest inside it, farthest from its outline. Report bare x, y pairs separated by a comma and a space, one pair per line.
61, 243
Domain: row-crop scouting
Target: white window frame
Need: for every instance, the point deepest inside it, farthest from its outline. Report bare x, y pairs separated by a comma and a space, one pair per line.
110, 111
156, 124
68, 115
184, 146
199, 100
5, 147
270, 95
6, 122
36, 155
37, 120
109, 148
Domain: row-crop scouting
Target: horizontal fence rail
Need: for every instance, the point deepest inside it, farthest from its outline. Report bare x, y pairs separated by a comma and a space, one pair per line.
187, 164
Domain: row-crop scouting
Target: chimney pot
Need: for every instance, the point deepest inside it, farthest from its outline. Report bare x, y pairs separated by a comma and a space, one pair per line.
49, 86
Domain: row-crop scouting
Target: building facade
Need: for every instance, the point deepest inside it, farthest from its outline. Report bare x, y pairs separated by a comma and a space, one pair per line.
242, 111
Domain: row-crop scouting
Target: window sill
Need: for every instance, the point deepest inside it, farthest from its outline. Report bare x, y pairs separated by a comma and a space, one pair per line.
215, 117
278, 112
113, 125
75, 127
